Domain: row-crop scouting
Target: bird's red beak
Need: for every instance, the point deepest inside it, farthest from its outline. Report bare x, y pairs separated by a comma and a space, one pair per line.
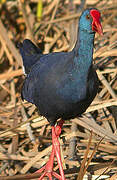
96, 25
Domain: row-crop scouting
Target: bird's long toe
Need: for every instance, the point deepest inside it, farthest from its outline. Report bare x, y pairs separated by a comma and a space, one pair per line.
47, 170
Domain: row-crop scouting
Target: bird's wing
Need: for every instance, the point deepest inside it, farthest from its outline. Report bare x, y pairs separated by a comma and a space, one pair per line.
30, 54
43, 74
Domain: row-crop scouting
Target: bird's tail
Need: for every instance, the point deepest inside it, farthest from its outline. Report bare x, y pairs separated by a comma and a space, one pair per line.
30, 54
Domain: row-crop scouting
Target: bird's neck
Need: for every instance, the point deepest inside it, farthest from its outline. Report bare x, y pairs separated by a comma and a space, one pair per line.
84, 49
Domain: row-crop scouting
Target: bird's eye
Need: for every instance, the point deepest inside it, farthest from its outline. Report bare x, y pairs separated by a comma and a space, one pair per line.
88, 17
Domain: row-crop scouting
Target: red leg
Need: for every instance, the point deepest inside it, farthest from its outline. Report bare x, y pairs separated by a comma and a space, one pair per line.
58, 128
56, 145
48, 168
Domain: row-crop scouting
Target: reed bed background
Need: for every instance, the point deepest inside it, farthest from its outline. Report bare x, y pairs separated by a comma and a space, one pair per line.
89, 143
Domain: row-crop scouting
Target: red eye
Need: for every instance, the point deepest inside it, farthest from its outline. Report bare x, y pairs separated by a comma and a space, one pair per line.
88, 17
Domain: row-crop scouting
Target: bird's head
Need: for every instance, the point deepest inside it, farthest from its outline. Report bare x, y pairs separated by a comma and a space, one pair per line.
90, 21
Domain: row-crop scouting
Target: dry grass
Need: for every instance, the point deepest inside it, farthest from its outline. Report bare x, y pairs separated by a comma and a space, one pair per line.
25, 137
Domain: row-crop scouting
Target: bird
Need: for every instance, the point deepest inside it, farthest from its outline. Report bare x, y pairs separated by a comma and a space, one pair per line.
62, 85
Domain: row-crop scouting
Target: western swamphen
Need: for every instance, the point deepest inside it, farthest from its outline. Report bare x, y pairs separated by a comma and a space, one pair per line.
62, 85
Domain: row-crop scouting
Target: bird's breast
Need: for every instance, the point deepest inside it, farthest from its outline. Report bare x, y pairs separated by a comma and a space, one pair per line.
72, 88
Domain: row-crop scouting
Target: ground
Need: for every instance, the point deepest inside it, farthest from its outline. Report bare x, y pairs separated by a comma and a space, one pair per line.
89, 143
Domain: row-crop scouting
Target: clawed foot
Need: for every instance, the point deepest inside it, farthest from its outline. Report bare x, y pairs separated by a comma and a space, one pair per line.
48, 168
48, 173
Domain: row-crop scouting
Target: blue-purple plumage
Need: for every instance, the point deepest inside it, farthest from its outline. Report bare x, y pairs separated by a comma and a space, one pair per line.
30, 53
61, 85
